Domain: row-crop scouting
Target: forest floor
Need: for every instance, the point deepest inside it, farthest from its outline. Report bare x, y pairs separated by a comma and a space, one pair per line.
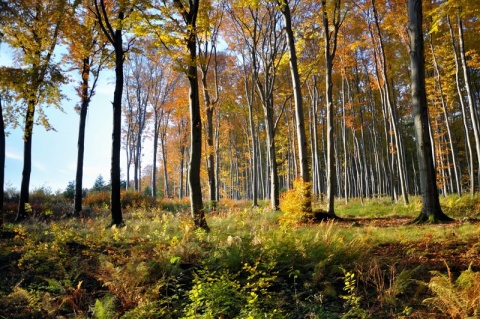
370, 264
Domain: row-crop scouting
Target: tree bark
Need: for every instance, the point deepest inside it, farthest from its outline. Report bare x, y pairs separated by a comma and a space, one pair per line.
115, 204
464, 111
2, 161
81, 137
431, 209
196, 201
392, 112
330, 49
299, 116
27, 161
471, 104
447, 123
116, 39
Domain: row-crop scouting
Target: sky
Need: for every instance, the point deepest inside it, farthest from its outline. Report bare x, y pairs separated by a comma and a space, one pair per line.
54, 153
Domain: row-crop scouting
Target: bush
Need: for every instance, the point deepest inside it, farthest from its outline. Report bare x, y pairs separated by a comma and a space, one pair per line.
292, 204
129, 199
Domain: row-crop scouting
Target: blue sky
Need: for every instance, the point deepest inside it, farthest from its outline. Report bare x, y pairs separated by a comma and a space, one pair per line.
54, 153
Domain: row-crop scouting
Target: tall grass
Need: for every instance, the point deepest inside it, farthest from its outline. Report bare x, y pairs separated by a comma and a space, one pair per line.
248, 266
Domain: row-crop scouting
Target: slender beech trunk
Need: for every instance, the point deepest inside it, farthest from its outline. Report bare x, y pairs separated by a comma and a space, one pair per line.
447, 122
155, 150
196, 201
163, 136
471, 103
81, 136
464, 111
344, 143
392, 112
430, 202
27, 160
330, 46
249, 93
115, 204
299, 116
2, 161
209, 110
115, 38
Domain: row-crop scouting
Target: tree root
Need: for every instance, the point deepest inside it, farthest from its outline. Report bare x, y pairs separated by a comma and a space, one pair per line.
438, 217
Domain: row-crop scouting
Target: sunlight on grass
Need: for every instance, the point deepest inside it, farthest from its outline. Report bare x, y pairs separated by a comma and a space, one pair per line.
159, 265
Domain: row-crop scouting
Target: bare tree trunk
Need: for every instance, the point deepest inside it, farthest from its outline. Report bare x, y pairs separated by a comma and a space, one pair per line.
299, 117
209, 109
163, 135
196, 200
330, 49
81, 137
250, 94
27, 161
116, 39
471, 104
2, 161
447, 123
115, 204
430, 202
464, 111
392, 112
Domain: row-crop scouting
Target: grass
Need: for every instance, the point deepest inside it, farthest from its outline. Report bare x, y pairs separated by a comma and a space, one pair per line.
371, 265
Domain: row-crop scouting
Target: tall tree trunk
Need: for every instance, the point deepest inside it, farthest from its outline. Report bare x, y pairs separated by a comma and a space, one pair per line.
344, 143
163, 134
272, 157
471, 104
115, 204
431, 209
330, 49
116, 40
27, 160
2, 161
464, 111
81, 136
209, 109
447, 123
250, 93
392, 112
155, 150
299, 116
196, 201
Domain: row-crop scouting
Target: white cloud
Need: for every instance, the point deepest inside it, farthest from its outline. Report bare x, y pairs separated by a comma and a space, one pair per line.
14, 156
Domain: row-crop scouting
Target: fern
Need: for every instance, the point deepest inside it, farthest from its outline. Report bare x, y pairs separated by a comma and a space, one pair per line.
458, 298
105, 309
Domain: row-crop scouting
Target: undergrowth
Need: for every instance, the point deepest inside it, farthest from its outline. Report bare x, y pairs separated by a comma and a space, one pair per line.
251, 265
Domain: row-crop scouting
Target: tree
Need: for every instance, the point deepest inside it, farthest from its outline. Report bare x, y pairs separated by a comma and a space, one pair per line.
299, 117
166, 81
2, 159
70, 190
139, 87
386, 91
99, 184
88, 55
189, 15
207, 49
431, 209
330, 50
33, 28
113, 31
258, 26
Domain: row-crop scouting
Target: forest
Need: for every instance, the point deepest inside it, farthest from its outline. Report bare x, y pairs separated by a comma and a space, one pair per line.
284, 159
